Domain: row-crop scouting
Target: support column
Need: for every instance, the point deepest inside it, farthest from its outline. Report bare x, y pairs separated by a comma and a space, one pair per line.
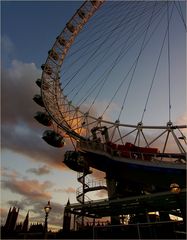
112, 194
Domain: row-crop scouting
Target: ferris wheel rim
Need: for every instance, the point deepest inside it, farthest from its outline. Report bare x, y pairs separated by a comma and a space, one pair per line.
56, 85
95, 6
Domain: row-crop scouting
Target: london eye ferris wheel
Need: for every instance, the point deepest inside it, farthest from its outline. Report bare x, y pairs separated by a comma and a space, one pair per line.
114, 80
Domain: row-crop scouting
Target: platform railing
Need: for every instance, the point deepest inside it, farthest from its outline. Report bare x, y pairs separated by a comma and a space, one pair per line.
155, 157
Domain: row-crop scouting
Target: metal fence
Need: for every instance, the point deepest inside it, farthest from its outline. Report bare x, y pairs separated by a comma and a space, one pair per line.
153, 230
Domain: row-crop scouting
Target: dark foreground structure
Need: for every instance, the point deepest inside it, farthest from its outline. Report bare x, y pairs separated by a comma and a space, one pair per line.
142, 195
143, 223
144, 165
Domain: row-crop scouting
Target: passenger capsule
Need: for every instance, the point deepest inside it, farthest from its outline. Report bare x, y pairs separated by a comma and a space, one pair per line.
43, 118
54, 139
75, 161
47, 69
70, 27
45, 86
43, 66
38, 99
61, 40
81, 14
53, 54
38, 82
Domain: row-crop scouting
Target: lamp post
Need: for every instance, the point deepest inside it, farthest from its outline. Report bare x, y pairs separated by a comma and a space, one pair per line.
175, 188
47, 209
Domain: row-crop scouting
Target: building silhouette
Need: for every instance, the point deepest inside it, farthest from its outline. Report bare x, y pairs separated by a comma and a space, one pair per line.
36, 228
67, 218
11, 220
25, 225
20, 230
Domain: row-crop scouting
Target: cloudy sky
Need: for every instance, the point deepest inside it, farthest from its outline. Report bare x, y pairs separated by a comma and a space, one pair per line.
32, 171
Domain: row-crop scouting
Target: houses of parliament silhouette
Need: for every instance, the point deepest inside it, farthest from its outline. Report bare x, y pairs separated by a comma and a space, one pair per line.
12, 229
11, 222
91, 230
23, 230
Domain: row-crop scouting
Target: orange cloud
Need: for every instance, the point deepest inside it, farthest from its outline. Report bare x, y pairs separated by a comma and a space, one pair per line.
6, 173
70, 190
40, 171
20, 131
29, 188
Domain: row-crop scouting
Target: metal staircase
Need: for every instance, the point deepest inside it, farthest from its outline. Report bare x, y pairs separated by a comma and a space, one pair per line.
87, 186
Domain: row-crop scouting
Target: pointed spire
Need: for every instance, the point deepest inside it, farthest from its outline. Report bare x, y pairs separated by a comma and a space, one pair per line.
8, 218
14, 209
68, 202
26, 223
27, 216
11, 219
67, 217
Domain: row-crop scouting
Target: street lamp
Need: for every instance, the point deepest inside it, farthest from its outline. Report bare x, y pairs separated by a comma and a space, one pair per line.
175, 188
47, 209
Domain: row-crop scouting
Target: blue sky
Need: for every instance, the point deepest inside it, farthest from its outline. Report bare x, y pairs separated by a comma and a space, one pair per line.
27, 33
32, 172
33, 25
